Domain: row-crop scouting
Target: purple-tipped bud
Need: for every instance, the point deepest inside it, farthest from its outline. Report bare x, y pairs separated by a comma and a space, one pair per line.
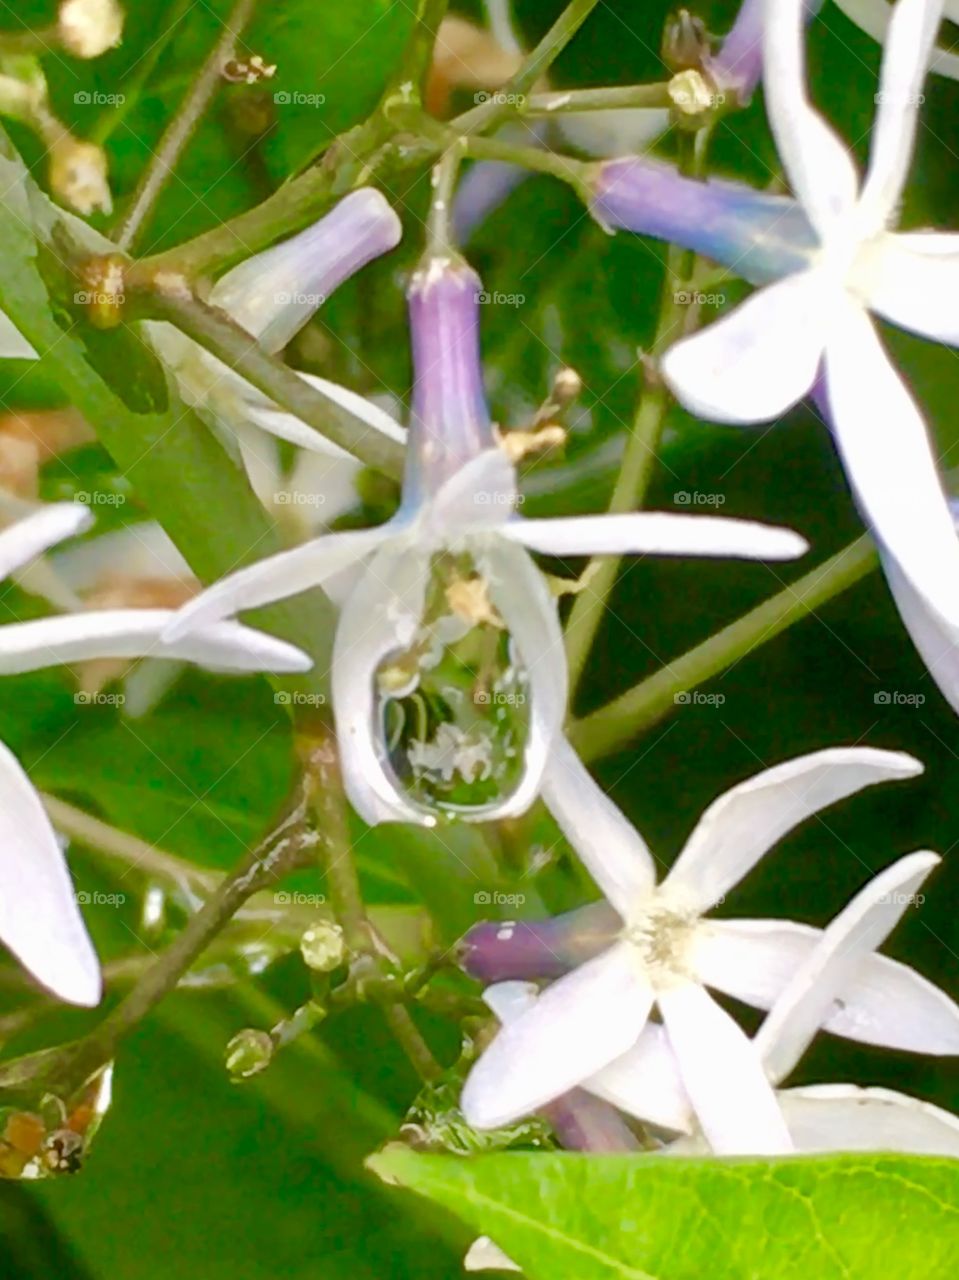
738, 65
586, 1123
760, 237
528, 949
275, 293
450, 421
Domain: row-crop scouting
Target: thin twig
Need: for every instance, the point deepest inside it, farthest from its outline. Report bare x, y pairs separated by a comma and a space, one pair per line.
181, 127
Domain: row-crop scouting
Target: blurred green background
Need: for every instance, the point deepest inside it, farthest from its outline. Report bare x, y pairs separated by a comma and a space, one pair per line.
193, 1176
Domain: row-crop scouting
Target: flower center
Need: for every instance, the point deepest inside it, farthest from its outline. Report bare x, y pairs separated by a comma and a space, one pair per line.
661, 936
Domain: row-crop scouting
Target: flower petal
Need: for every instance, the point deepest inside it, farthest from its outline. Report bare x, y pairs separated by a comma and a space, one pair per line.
936, 642
889, 459
912, 33
480, 495
874, 19
275, 293
39, 918
828, 970
645, 1082
608, 844
381, 616
519, 592
734, 1102
912, 279
656, 533
575, 1028
485, 1255
816, 161
752, 960
27, 538
842, 1117
759, 360
744, 823
279, 576
139, 633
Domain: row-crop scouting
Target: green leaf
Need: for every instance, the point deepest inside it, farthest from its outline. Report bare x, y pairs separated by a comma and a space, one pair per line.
648, 1218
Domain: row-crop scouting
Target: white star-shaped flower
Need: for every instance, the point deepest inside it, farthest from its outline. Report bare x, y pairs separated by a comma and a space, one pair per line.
767, 354
459, 495
666, 954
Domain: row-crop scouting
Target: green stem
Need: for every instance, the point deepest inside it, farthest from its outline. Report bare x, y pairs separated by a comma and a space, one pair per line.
181, 128
566, 169
613, 726
283, 850
215, 331
410, 80
504, 102
630, 95
439, 229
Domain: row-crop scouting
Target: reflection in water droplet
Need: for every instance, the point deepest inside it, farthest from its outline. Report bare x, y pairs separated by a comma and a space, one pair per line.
454, 707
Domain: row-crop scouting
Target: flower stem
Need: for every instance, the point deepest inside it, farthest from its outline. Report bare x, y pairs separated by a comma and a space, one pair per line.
618, 97
418, 55
559, 166
215, 331
284, 849
613, 726
439, 226
318, 752
181, 127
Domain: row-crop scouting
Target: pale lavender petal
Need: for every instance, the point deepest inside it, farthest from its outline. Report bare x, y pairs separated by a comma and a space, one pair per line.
911, 36
760, 237
574, 1029
380, 618
279, 576
817, 163
523, 600
833, 963
273, 294
843, 1117
721, 1071
743, 824
663, 533
27, 538
609, 845
759, 360
39, 918
139, 633
912, 279
646, 1082
889, 459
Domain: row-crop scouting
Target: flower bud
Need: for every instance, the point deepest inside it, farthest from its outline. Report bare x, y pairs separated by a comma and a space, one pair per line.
88, 28
78, 175
450, 421
322, 946
248, 1053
